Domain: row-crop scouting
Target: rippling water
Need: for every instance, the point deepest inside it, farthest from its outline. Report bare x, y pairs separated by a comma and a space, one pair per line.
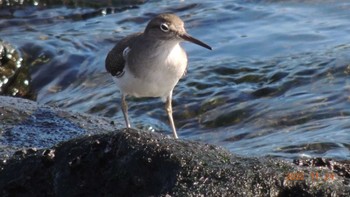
277, 82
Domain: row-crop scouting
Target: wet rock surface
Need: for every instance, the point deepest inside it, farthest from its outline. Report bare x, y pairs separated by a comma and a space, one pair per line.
14, 76
87, 3
101, 160
26, 124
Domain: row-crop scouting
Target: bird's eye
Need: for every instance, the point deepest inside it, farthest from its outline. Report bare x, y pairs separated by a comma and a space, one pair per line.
164, 27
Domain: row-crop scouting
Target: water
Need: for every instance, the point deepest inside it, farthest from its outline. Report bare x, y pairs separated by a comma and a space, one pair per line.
277, 82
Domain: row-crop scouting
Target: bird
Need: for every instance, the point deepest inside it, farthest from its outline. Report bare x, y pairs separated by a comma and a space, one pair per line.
151, 63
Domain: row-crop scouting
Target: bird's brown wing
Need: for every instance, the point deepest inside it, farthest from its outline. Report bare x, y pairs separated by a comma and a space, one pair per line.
115, 61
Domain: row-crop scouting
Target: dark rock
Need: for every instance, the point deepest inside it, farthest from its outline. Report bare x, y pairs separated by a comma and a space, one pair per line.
341, 168
105, 161
134, 163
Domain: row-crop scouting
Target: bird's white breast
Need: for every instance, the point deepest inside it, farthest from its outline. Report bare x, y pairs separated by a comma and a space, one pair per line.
159, 75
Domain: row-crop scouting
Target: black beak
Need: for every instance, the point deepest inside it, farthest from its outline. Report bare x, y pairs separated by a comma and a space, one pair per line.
189, 38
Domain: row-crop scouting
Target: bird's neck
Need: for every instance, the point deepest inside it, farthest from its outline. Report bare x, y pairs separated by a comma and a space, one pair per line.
157, 49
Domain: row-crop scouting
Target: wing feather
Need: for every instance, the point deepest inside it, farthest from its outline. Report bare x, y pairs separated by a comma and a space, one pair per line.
115, 60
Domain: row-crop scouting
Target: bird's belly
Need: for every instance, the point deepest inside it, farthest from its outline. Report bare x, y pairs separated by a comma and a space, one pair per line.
155, 84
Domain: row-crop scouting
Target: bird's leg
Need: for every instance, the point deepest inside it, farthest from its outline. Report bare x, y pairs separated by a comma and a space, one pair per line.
169, 110
125, 111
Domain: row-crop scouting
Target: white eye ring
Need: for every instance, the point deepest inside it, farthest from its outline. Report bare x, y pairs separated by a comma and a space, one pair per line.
164, 27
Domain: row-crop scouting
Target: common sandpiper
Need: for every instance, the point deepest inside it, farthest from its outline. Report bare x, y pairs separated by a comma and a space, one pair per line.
150, 63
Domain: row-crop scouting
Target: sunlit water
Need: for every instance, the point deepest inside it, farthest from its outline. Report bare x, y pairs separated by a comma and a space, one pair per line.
277, 82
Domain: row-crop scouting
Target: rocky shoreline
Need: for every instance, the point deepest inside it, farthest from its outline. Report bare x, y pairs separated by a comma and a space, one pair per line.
84, 155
